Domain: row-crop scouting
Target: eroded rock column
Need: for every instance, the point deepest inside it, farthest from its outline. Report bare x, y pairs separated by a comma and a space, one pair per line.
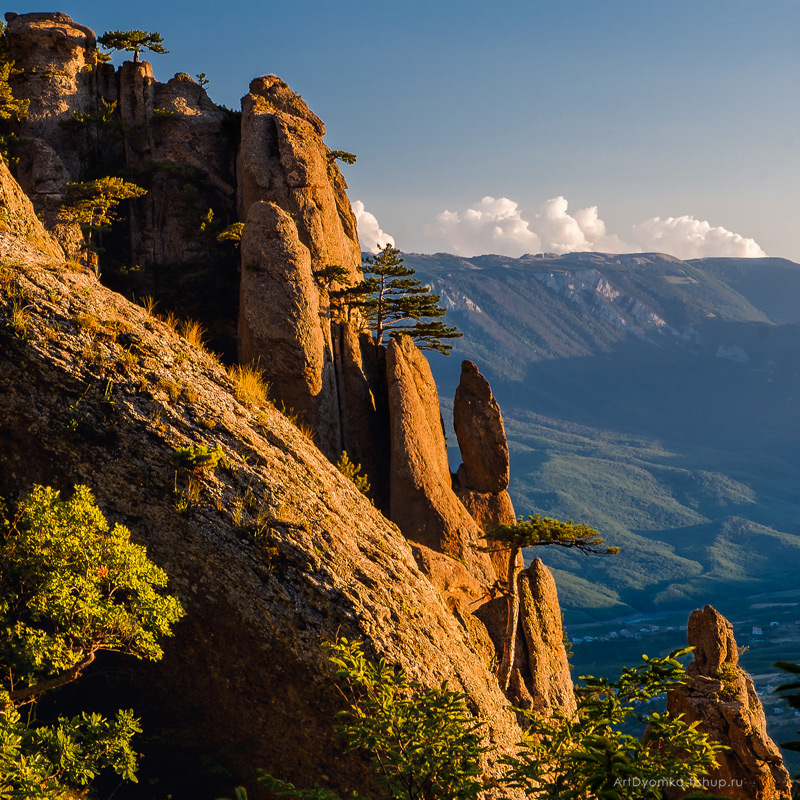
721, 697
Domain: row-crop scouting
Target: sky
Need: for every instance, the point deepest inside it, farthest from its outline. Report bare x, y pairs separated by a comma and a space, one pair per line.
525, 125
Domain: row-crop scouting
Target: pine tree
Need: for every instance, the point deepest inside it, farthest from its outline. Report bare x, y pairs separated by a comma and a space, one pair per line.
393, 303
133, 42
92, 204
534, 532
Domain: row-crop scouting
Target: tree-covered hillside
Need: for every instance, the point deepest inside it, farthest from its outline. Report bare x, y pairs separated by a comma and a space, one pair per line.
655, 399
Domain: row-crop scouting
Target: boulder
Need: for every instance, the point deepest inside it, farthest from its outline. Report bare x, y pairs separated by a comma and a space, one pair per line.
720, 696
422, 502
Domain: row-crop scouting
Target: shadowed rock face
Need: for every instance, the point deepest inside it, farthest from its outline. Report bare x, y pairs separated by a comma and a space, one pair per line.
721, 696
245, 676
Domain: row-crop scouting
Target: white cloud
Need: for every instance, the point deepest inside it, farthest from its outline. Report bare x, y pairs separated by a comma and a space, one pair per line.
495, 225
499, 225
370, 235
688, 237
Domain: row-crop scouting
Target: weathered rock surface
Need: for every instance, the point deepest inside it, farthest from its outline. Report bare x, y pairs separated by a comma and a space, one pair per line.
482, 479
481, 434
284, 160
272, 554
422, 502
279, 321
721, 696
548, 679
22, 235
54, 69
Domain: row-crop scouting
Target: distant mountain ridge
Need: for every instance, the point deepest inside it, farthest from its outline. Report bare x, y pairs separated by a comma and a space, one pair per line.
655, 398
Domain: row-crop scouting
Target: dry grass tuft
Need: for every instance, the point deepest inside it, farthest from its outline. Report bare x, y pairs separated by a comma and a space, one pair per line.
193, 332
251, 389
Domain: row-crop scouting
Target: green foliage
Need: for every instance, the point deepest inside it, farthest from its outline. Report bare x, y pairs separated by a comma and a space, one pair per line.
233, 233
198, 458
70, 587
47, 761
104, 117
353, 472
594, 756
92, 204
342, 155
163, 113
328, 275
10, 107
132, 41
729, 675
535, 532
423, 743
394, 303
202, 80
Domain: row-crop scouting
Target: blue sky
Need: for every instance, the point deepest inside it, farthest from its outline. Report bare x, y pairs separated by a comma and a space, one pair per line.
683, 110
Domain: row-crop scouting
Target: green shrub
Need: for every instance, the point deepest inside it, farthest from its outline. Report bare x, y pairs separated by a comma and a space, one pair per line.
70, 586
198, 458
353, 472
425, 745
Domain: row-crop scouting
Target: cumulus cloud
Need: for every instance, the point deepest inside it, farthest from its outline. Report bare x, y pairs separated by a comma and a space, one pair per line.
499, 225
688, 237
370, 234
495, 225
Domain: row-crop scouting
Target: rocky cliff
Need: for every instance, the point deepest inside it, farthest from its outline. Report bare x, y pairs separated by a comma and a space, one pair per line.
271, 552
721, 697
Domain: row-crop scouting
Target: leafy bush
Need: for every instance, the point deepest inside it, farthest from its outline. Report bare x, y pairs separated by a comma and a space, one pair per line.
594, 754
425, 745
70, 586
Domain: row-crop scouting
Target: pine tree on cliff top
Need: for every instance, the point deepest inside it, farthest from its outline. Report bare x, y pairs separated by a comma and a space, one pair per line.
133, 42
393, 303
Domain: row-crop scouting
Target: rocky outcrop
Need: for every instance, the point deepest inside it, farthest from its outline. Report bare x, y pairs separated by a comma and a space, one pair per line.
284, 160
270, 553
280, 321
54, 69
481, 434
481, 482
548, 678
721, 697
422, 503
